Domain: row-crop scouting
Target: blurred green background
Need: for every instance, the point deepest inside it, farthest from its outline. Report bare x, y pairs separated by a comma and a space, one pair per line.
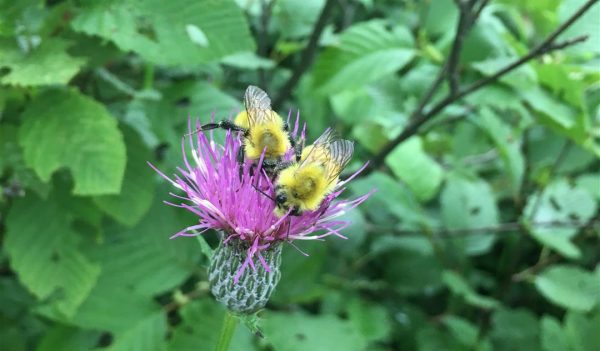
483, 234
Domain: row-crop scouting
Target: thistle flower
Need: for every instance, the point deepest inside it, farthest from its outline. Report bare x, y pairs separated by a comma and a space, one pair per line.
225, 196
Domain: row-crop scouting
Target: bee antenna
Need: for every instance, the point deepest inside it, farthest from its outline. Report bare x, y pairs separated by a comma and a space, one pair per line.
262, 192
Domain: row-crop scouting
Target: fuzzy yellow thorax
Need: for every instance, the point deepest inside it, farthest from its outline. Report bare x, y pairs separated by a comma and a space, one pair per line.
305, 186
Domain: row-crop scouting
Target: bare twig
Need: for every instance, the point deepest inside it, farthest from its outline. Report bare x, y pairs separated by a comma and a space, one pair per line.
307, 55
266, 7
418, 118
465, 22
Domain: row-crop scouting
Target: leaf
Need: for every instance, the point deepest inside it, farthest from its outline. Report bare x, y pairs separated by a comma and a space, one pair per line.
569, 287
161, 33
197, 331
515, 327
582, 331
585, 25
559, 202
370, 319
463, 331
552, 335
468, 204
45, 256
248, 60
138, 185
147, 334
460, 287
143, 258
47, 64
508, 145
366, 53
299, 331
409, 162
402, 255
91, 145
61, 337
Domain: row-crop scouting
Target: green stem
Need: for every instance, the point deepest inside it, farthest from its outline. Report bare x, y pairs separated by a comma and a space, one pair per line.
229, 324
149, 76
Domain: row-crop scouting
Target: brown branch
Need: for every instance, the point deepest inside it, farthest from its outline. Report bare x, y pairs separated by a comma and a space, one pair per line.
263, 31
465, 21
418, 118
307, 55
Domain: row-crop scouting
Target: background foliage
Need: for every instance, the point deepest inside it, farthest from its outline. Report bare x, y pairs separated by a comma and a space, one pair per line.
483, 234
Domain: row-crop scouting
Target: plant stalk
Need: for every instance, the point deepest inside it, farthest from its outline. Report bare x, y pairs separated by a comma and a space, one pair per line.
227, 330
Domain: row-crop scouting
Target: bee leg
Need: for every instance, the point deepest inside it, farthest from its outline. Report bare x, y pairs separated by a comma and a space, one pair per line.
240, 159
295, 211
224, 124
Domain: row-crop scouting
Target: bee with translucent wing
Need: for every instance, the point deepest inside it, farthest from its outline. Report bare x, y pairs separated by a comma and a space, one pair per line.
302, 185
262, 128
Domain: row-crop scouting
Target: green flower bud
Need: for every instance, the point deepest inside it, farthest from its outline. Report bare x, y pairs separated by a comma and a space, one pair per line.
253, 288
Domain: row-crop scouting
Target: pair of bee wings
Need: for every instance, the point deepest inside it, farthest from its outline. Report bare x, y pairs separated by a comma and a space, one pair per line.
332, 153
258, 106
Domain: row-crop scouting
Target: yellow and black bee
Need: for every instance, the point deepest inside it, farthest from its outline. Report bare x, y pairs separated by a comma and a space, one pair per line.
263, 130
302, 185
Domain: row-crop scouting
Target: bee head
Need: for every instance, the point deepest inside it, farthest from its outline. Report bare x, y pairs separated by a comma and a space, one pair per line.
281, 198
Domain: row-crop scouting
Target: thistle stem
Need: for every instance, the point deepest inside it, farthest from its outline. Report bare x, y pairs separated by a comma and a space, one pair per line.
229, 324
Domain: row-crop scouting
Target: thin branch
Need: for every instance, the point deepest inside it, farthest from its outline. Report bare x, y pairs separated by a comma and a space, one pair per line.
418, 118
463, 28
266, 7
500, 228
307, 55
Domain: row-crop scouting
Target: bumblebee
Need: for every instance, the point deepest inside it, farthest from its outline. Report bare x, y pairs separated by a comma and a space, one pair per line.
303, 185
262, 128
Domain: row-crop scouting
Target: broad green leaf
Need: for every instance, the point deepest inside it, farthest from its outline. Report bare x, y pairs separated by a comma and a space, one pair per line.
147, 334
44, 65
559, 202
248, 60
198, 330
409, 162
138, 185
465, 332
159, 31
459, 286
582, 330
91, 145
508, 145
469, 204
61, 337
366, 53
370, 319
552, 335
515, 327
300, 275
143, 258
45, 256
402, 255
520, 78
570, 287
299, 331
391, 195
296, 19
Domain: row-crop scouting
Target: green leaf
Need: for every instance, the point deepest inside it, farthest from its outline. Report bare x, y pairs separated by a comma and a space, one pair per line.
91, 145
569, 287
160, 32
370, 319
559, 202
45, 256
585, 25
299, 331
402, 255
47, 64
552, 334
61, 337
138, 185
468, 204
366, 53
409, 162
508, 145
147, 334
582, 331
143, 258
459, 286
463, 331
515, 327
199, 329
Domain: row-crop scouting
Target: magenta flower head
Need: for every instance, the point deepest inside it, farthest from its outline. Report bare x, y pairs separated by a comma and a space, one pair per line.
236, 200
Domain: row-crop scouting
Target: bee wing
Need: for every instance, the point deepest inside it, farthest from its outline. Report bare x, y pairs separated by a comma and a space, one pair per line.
258, 106
340, 154
318, 147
